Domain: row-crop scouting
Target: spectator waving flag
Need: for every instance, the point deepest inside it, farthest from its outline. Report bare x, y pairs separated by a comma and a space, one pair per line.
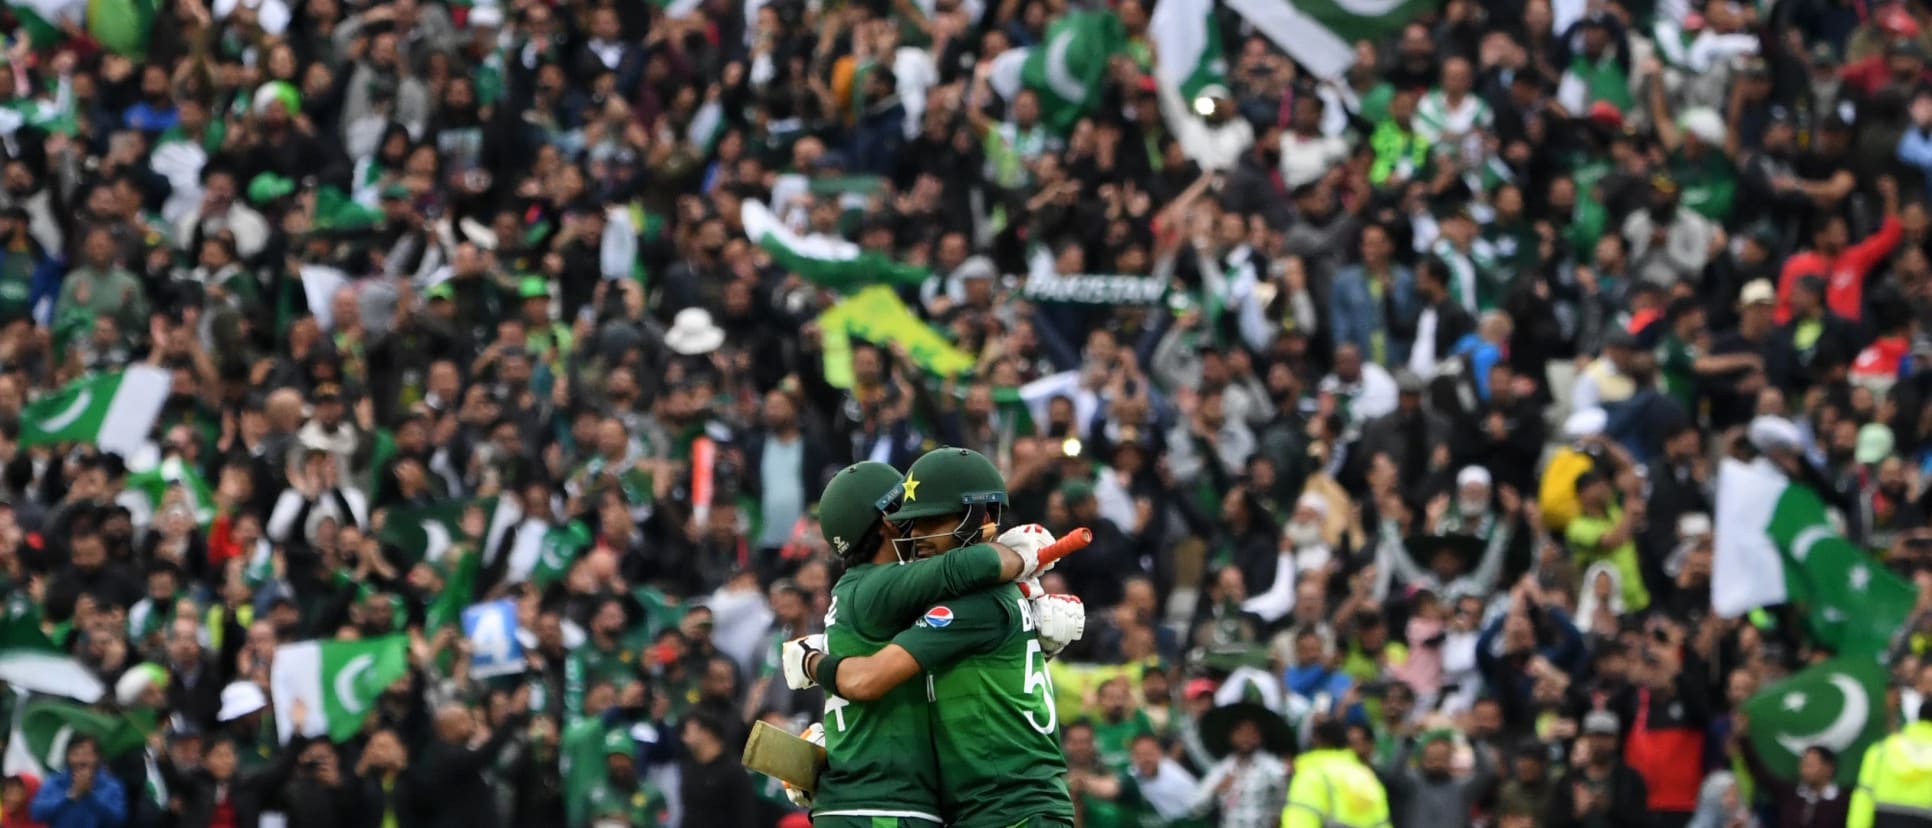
426, 533
1839, 704
827, 261
1189, 42
1319, 34
41, 20
44, 726
30, 661
1069, 69
1775, 544
337, 682
155, 482
113, 411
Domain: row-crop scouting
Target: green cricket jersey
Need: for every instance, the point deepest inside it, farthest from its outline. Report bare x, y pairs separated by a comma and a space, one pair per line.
878, 763
994, 725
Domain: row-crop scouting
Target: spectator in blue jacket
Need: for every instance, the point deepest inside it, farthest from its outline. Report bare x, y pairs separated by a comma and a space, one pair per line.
1373, 304
84, 795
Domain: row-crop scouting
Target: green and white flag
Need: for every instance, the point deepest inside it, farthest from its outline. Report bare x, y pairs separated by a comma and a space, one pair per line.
41, 20
426, 533
337, 682
30, 661
1189, 42
1320, 34
827, 261
1839, 704
1775, 544
1069, 69
112, 411
42, 728
155, 483
558, 551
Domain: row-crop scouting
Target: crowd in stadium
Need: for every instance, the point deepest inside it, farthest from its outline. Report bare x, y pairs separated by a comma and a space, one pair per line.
413, 413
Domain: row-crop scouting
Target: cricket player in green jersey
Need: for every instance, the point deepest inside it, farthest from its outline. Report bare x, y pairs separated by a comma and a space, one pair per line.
993, 721
881, 773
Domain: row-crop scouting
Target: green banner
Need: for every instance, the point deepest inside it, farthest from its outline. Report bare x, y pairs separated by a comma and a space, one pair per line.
876, 315
1095, 289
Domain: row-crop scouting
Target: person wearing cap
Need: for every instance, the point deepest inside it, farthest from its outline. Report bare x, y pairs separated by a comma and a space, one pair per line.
1843, 265
1600, 789
547, 340
1604, 530
1754, 357
623, 792
1668, 245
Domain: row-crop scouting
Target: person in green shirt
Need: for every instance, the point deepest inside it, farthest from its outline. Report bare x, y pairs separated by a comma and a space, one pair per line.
1118, 724
1603, 531
623, 795
101, 287
1680, 350
603, 657
991, 714
877, 736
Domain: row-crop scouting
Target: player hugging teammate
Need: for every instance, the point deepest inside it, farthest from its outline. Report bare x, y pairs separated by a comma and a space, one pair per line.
975, 743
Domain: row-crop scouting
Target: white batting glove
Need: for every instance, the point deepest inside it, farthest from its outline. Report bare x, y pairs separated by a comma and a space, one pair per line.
799, 796
793, 656
1058, 620
1028, 540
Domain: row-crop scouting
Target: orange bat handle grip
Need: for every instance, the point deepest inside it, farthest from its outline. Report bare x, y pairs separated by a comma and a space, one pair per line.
1074, 541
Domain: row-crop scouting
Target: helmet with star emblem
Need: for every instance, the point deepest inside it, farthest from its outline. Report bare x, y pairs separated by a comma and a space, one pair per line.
951, 481
850, 510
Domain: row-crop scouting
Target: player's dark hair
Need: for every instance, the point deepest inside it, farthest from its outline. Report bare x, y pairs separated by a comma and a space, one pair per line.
1825, 754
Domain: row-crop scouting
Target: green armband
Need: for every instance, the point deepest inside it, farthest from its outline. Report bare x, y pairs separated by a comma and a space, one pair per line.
828, 673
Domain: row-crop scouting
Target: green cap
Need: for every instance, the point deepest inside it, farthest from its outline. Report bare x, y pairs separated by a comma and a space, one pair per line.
268, 187
1076, 492
395, 191
278, 90
533, 287
618, 743
440, 290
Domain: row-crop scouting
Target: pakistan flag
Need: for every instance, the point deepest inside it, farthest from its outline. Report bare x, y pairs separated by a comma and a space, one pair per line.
426, 533
113, 411
1775, 544
337, 682
1839, 704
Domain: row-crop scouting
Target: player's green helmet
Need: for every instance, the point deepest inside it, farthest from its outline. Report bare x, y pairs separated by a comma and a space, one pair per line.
853, 503
949, 481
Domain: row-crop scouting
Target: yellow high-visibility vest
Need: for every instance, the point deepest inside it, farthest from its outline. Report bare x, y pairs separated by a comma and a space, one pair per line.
1895, 781
1331, 788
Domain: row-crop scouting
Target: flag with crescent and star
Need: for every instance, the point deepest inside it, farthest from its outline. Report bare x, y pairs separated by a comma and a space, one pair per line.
337, 681
1776, 544
1839, 704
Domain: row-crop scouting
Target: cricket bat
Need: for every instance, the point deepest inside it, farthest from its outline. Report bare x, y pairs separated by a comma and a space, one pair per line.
776, 753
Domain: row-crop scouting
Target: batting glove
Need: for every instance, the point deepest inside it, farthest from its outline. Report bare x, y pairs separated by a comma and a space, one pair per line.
1058, 620
1029, 541
799, 796
793, 656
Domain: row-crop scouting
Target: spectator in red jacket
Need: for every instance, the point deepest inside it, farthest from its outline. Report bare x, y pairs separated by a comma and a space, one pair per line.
15, 793
1843, 266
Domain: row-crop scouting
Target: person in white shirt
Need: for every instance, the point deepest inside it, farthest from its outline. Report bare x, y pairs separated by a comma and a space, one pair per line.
1363, 389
